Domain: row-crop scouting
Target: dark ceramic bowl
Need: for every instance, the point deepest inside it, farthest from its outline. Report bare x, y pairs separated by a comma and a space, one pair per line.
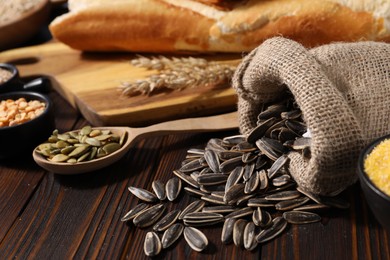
15, 83
378, 201
20, 140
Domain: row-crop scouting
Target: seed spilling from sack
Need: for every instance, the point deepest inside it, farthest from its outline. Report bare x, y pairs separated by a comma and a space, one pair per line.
243, 181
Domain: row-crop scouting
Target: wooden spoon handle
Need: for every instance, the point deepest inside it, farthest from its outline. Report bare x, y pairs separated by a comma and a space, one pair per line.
200, 124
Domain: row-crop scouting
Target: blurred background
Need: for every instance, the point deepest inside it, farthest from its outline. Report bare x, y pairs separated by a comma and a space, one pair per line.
25, 22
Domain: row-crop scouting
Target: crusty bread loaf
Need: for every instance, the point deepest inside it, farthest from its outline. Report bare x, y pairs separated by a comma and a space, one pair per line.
188, 25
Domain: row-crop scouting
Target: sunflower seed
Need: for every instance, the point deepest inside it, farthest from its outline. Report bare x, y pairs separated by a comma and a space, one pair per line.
188, 179
277, 227
312, 196
233, 193
263, 180
243, 200
149, 216
202, 216
191, 166
159, 189
212, 188
252, 184
134, 211
267, 151
249, 158
173, 188
229, 165
167, 220
195, 206
241, 213
291, 204
212, 179
143, 194
234, 177
238, 232
281, 180
171, 235
226, 155
195, 239
261, 218
274, 109
219, 209
152, 244
233, 140
250, 242
277, 165
260, 202
227, 230
212, 160
293, 114
195, 192
301, 217
283, 195
259, 131
312, 207
296, 126
213, 199
249, 169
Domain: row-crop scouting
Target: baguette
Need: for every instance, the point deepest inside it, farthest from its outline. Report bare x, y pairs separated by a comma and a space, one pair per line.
187, 25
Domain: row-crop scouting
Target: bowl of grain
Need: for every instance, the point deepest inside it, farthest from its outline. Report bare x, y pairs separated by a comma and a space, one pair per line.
20, 20
26, 119
374, 175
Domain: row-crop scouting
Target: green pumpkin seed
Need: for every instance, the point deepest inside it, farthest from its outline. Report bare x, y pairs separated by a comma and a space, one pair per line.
80, 150
86, 130
95, 132
93, 141
111, 147
59, 158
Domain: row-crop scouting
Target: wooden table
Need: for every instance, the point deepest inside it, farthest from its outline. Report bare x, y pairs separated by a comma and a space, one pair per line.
49, 216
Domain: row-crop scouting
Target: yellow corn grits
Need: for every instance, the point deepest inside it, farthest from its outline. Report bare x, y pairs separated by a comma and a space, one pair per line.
377, 166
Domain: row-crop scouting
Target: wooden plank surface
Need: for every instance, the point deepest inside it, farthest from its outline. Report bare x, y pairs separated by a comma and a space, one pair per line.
48, 216
90, 82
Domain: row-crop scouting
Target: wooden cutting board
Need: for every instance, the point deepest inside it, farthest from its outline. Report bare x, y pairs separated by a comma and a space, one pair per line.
90, 82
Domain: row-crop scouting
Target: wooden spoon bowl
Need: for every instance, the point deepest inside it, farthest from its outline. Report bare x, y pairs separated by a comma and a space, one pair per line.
201, 124
23, 26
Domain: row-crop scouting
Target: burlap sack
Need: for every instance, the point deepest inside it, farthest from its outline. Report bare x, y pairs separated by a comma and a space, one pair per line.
343, 90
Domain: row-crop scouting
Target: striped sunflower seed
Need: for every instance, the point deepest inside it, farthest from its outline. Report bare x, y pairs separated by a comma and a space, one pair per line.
227, 230
149, 216
171, 235
195, 239
167, 221
173, 188
152, 244
301, 217
143, 194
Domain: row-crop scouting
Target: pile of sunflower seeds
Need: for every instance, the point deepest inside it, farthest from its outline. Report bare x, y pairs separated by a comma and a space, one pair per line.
177, 73
79, 146
241, 181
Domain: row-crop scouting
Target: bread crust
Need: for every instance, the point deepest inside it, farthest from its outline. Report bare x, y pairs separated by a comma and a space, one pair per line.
186, 25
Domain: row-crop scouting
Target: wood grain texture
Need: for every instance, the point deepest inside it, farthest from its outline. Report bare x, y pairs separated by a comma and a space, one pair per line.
90, 82
47, 216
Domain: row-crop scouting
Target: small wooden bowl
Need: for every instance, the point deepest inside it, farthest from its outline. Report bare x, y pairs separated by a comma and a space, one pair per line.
22, 27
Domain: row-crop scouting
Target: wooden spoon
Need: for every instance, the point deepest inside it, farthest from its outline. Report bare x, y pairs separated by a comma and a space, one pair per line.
201, 124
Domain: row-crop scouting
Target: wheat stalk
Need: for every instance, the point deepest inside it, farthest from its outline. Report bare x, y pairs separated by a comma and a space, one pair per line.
177, 73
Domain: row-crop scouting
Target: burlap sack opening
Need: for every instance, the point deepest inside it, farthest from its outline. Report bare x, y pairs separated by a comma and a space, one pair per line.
343, 90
